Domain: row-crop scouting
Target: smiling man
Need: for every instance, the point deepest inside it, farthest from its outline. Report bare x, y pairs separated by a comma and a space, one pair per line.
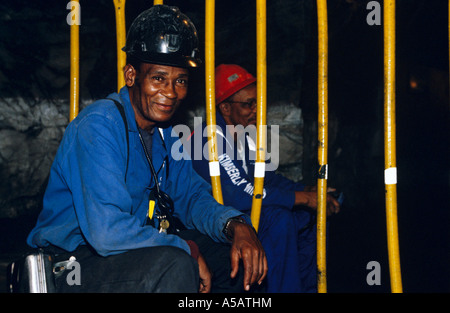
156, 92
134, 218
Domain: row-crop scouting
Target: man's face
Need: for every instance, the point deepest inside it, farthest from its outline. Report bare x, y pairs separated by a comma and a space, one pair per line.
240, 109
156, 92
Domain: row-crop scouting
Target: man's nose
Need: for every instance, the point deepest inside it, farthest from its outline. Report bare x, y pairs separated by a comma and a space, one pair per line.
169, 91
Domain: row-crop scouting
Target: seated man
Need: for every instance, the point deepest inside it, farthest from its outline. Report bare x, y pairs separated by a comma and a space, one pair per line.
115, 192
286, 229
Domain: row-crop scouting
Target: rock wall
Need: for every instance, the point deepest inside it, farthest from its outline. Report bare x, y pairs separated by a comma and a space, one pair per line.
30, 133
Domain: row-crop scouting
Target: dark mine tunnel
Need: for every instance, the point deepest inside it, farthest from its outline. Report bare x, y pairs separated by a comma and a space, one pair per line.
34, 112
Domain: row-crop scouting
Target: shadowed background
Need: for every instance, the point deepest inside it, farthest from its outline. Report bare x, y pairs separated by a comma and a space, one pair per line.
34, 111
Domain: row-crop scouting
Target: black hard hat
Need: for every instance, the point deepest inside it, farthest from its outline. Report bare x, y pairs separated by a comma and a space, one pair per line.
163, 35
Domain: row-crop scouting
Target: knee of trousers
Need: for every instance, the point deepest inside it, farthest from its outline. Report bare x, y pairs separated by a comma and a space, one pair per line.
176, 271
280, 223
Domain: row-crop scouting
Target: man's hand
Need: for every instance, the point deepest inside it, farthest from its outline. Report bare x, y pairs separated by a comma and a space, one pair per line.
247, 247
205, 275
308, 197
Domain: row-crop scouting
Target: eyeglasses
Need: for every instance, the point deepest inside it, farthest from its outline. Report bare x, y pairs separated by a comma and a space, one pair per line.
246, 104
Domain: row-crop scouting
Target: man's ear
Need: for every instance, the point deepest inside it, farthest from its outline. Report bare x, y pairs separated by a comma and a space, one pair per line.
224, 108
129, 73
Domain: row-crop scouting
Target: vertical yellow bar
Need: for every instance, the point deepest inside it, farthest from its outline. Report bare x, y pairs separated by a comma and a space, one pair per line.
390, 173
74, 67
214, 168
323, 144
261, 91
119, 6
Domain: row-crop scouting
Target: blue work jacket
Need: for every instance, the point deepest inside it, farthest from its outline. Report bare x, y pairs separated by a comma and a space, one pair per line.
89, 200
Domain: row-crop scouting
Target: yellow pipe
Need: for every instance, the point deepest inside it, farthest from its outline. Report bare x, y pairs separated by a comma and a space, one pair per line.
119, 6
214, 168
261, 91
323, 144
389, 145
157, 2
74, 69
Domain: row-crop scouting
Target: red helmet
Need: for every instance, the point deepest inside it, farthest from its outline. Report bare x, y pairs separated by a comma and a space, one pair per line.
231, 78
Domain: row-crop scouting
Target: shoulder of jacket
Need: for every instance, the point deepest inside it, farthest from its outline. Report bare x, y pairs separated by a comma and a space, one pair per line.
103, 109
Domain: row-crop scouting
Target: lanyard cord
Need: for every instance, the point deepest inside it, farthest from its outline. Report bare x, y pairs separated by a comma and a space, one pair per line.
165, 203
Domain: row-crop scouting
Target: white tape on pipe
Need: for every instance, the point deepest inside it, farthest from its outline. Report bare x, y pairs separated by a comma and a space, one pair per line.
390, 176
323, 171
260, 169
214, 168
